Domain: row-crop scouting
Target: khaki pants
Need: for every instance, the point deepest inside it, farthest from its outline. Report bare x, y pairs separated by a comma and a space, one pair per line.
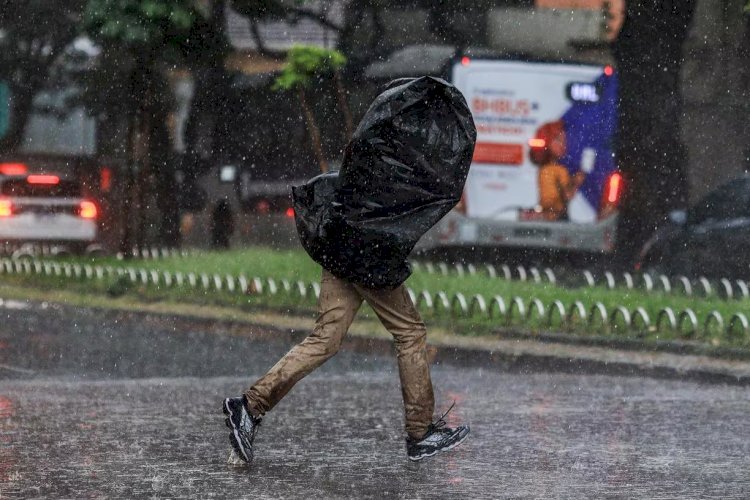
338, 303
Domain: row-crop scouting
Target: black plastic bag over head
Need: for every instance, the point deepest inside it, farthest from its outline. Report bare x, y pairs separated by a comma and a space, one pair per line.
403, 170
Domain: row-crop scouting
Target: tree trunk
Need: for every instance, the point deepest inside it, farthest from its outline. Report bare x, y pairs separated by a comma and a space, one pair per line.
312, 128
126, 193
169, 227
21, 105
442, 23
378, 31
344, 105
651, 154
139, 148
203, 136
152, 115
162, 162
745, 77
144, 172
354, 15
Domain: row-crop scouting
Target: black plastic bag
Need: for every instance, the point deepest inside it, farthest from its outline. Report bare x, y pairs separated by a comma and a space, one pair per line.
403, 170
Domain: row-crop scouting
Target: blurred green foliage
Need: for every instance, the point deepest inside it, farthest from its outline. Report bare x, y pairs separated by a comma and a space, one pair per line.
140, 23
304, 63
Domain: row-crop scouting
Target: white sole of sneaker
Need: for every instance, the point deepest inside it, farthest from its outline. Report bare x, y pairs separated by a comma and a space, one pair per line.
447, 448
237, 446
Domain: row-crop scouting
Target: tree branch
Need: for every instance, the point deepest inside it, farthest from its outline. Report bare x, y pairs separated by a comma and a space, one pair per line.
262, 49
315, 16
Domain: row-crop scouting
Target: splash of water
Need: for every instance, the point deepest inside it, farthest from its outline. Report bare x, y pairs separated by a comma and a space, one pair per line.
234, 458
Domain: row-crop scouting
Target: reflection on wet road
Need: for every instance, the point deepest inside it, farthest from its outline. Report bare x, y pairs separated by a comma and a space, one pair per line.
107, 405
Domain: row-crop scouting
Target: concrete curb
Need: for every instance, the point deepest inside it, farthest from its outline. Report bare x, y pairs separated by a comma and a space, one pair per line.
576, 360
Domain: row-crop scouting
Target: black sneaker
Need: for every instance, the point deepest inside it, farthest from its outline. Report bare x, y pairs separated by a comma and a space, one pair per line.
438, 438
243, 425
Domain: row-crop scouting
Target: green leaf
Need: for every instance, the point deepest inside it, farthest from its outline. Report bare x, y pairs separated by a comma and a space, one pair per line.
154, 10
183, 19
305, 62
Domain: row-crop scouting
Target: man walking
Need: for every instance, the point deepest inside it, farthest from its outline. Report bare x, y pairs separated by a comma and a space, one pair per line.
402, 171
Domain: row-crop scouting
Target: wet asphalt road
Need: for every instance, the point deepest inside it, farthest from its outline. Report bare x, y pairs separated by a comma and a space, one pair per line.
108, 405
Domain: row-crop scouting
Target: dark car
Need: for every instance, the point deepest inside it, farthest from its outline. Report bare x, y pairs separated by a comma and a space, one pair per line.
710, 239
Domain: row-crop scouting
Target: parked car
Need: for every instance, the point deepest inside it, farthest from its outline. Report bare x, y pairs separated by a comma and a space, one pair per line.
45, 209
711, 238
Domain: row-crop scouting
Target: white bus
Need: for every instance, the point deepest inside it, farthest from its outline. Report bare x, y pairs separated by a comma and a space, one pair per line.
544, 174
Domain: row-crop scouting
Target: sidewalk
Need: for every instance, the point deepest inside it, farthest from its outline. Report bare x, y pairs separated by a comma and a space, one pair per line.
522, 355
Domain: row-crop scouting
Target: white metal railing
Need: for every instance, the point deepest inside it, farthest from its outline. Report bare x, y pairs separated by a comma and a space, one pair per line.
513, 311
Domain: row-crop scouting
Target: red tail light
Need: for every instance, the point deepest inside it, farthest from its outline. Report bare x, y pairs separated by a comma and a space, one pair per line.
614, 188
6, 208
43, 179
611, 195
105, 180
13, 169
290, 212
263, 207
87, 210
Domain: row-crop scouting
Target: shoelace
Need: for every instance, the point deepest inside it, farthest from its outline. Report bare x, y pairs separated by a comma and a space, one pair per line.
256, 423
437, 425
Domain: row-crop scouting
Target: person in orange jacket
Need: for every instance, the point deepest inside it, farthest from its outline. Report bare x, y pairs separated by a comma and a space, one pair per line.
556, 186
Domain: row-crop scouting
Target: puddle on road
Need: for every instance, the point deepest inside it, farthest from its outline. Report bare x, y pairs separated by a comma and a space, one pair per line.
14, 304
20, 305
338, 435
